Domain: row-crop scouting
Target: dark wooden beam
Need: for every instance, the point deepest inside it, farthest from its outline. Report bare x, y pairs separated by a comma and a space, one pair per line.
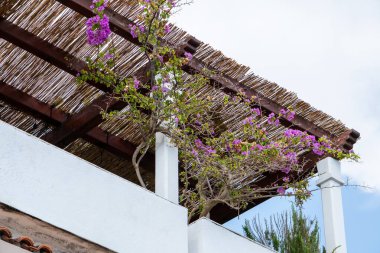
114, 144
31, 105
57, 117
83, 121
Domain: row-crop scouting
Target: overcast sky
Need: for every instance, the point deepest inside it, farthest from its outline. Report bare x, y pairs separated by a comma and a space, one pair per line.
326, 51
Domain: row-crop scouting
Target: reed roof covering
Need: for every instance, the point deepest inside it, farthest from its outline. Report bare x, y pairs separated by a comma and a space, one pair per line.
43, 45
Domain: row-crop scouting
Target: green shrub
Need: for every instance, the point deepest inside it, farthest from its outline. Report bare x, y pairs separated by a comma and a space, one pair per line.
289, 232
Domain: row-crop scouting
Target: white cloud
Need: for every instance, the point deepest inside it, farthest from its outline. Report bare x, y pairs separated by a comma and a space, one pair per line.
327, 51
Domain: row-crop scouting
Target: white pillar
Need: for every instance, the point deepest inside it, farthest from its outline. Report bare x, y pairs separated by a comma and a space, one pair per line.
166, 169
330, 181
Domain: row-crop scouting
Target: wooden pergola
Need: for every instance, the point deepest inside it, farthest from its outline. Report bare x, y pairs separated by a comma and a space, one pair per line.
75, 124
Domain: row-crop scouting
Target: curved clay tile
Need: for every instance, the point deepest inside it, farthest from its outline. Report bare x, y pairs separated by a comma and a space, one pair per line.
25, 242
5, 233
45, 249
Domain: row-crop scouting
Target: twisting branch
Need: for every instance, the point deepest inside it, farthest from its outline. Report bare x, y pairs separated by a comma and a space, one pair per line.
136, 161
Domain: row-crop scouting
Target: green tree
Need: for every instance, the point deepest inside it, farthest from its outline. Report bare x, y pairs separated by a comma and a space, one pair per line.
288, 232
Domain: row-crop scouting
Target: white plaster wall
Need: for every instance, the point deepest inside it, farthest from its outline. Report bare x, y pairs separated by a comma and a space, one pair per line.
68, 192
206, 236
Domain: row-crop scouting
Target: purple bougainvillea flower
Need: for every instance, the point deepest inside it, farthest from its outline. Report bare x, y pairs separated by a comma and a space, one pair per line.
286, 170
291, 116
256, 111
160, 58
281, 190
317, 150
167, 28
132, 29
188, 56
293, 133
291, 157
286, 179
142, 28
198, 143
155, 87
136, 83
260, 147
98, 30
172, 2
209, 150
271, 118
108, 56
248, 120
165, 89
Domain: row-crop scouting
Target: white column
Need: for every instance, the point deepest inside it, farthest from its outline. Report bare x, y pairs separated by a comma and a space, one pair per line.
330, 181
166, 169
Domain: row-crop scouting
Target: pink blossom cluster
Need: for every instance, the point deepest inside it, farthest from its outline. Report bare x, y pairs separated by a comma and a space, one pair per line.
188, 56
98, 27
167, 28
135, 29
200, 146
308, 141
287, 114
273, 120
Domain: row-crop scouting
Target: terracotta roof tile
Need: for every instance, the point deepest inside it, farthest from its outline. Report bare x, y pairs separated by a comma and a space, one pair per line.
23, 242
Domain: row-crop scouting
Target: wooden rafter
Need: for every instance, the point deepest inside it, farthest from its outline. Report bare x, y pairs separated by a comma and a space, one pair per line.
83, 121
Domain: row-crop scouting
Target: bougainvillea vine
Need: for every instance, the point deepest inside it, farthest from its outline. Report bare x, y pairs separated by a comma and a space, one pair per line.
233, 165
